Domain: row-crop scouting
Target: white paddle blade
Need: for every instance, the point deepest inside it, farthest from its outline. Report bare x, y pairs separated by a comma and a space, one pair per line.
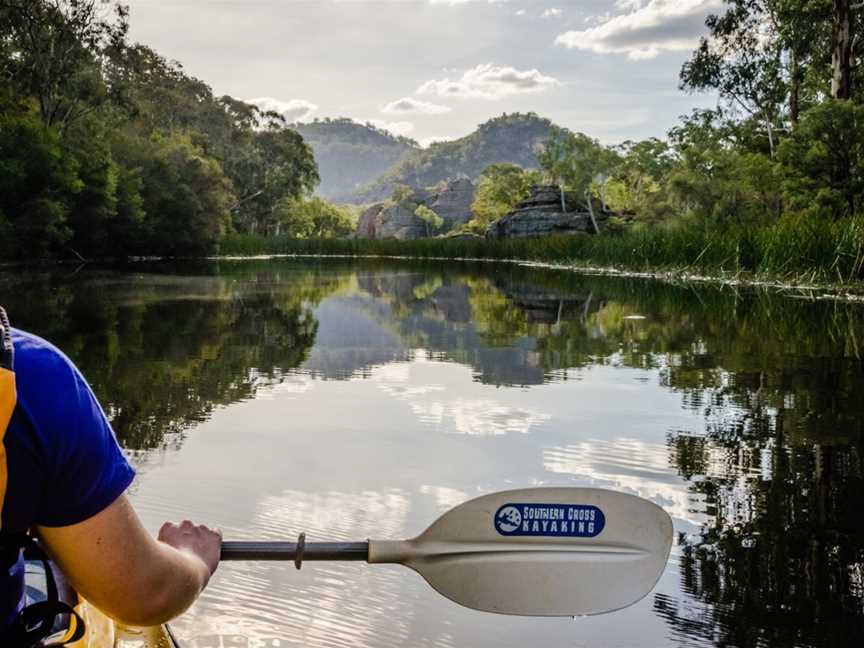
541, 551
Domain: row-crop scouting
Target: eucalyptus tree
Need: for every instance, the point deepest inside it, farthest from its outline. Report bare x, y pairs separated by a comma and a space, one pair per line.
576, 162
637, 180
430, 218
846, 27
55, 49
742, 61
823, 161
500, 188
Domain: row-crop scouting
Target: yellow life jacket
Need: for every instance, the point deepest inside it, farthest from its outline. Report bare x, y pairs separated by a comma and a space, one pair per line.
8, 398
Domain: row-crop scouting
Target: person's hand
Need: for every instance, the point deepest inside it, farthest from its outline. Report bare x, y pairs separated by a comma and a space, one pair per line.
199, 540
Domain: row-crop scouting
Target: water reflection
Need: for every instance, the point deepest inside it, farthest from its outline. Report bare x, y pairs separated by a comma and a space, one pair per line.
363, 399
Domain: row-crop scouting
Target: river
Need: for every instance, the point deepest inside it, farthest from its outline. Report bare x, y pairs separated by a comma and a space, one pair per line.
362, 399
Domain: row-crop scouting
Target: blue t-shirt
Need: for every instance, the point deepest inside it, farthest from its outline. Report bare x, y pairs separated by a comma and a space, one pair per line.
63, 462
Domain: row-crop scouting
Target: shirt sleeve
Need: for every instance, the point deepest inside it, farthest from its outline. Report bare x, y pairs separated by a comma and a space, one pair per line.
86, 469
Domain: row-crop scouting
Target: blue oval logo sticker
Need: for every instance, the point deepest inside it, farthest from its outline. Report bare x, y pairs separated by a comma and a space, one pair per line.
558, 520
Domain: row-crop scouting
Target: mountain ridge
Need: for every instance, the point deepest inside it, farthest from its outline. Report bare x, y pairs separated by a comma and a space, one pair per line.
361, 163
514, 138
351, 154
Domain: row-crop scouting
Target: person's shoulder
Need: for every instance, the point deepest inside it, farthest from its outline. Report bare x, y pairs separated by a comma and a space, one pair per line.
36, 355
44, 374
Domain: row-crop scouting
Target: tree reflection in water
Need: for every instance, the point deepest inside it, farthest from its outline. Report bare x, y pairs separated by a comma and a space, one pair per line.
778, 466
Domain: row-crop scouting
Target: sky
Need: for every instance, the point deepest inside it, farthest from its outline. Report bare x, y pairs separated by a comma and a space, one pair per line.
435, 69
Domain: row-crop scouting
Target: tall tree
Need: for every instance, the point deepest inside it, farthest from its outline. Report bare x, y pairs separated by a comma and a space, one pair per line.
500, 188
742, 60
54, 51
576, 162
844, 41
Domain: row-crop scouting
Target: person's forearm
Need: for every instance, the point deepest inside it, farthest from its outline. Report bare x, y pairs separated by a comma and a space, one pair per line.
173, 582
115, 564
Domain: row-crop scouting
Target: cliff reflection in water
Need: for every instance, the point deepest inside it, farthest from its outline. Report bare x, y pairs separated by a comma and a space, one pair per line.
776, 472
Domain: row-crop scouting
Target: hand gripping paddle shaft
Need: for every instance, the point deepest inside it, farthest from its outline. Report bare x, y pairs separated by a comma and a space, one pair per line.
537, 551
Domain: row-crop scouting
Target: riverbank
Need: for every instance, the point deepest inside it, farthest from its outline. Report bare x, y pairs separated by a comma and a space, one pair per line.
799, 253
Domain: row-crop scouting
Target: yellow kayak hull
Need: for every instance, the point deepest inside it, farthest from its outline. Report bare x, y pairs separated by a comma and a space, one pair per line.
103, 632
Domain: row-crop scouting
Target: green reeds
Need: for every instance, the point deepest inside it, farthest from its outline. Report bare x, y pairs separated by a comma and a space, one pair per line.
794, 249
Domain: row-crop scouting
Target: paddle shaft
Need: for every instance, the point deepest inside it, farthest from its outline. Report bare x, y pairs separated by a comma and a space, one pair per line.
288, 551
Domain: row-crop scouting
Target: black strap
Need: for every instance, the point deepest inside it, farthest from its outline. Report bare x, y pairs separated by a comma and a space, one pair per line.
7, 350
36, 621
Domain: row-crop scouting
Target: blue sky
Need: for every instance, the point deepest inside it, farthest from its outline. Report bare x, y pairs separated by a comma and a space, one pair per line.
434, 69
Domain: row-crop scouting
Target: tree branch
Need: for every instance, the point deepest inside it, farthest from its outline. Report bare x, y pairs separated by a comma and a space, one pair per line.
246, 199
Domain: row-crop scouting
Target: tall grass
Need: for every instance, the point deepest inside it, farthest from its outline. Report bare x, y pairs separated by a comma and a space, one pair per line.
794, 249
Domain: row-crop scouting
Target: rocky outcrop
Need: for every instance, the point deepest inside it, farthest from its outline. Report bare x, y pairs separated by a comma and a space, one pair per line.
543, 214
452, 202
383, 221
369, 221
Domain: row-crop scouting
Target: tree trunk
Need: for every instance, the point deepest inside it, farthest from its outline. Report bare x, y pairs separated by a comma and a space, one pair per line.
591, 211
841, 54
794, 91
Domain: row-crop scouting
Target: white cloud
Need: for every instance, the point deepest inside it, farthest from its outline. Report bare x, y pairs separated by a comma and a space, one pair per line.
491, 82
409, 105
521, 12
647, 29
397, 128
294, 110
551, 13
631, 5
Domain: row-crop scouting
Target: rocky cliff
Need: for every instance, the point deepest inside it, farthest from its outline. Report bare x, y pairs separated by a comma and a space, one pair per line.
543, 214
388, 220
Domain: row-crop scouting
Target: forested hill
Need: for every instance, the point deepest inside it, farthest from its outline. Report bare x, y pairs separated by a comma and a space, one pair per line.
514, 138
350, 155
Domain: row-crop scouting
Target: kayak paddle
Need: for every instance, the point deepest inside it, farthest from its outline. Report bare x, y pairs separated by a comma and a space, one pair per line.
537, 551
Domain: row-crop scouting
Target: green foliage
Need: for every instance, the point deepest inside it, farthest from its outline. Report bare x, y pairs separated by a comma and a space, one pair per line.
432, 220
574, 160
187, 198
500, 188
637, 181
107, 149
264, 159
401, 194
764, 58
824, 161
39, 183
314, 218
52, 52
795, 248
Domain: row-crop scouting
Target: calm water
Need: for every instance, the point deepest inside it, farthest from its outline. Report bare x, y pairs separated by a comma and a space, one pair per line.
358, 400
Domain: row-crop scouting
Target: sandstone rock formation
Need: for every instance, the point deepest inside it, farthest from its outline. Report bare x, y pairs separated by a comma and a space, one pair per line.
383, 221
452, 202
543, 214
